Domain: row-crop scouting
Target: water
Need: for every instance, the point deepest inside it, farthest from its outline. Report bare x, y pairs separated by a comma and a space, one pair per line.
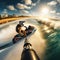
52, 51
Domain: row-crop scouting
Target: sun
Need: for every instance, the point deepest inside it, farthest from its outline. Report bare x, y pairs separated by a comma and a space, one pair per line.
45, 11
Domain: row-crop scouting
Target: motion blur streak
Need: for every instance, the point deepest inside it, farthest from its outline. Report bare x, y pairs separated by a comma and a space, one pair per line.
37, 41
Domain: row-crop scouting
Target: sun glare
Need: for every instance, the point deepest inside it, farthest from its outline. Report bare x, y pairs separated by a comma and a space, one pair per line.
45, 11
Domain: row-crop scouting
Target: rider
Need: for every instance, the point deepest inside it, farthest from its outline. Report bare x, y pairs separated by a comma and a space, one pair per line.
21, 29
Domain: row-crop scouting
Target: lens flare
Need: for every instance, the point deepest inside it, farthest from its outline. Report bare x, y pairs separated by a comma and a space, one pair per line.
45, 11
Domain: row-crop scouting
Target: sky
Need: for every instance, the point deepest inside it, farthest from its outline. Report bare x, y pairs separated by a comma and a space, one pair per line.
31, 7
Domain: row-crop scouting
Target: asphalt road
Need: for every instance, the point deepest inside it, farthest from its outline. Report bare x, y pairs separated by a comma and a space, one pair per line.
14, 52
45, 41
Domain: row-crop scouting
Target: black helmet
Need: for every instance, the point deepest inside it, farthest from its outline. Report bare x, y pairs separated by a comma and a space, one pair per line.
17, 28
21, 23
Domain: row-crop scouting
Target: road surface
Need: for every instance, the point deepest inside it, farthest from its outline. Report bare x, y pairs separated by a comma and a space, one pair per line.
14, 52
45, 42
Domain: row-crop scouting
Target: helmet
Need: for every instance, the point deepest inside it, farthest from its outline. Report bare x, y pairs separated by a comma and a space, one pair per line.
17, 28
21, 23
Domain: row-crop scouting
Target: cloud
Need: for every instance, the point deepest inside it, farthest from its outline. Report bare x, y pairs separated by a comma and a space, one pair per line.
11, 7
4, 11
58, 1
58, 13
22, 6
33, 4
25, 12
28, 2
53, 11
52, 3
